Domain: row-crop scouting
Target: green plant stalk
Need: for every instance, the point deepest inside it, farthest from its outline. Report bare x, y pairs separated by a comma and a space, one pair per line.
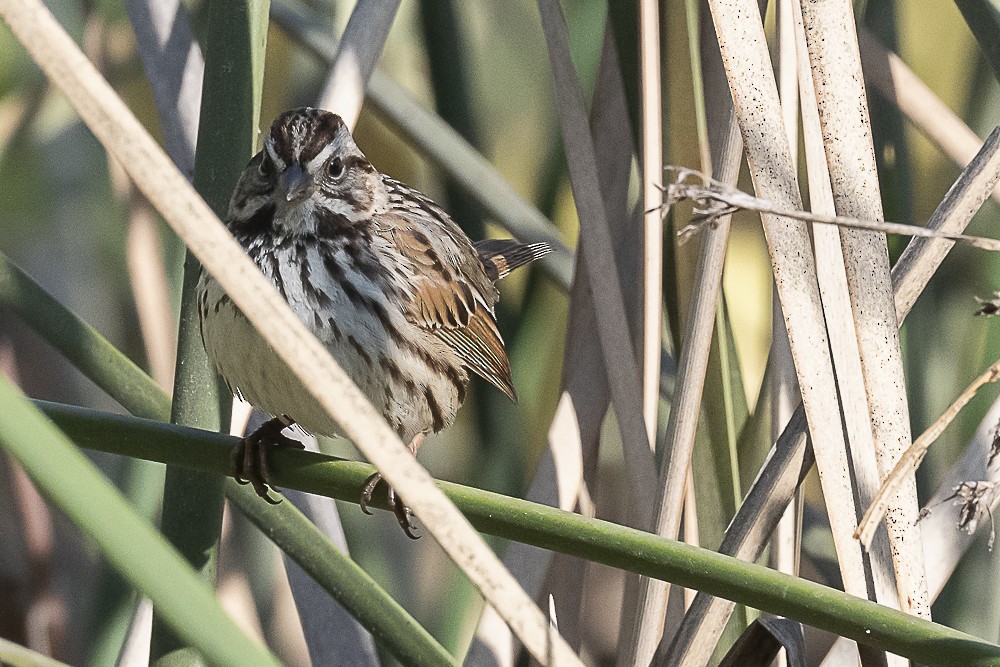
550, 528
692, 15
983, 18
15, 655
81, 344
723, 377
114, 373
227, 134
726, 418
126, 383
723, 421
73, 484
408, 641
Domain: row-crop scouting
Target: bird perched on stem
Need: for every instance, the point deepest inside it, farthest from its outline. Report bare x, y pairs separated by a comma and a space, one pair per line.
393, 288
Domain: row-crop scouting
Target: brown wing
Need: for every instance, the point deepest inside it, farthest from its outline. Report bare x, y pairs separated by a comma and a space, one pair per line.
480, 347
453, 298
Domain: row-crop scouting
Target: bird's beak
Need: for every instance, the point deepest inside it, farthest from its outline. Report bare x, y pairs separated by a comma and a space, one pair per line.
296, 182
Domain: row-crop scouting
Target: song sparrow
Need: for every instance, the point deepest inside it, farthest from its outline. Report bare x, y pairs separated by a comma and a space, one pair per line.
400, 296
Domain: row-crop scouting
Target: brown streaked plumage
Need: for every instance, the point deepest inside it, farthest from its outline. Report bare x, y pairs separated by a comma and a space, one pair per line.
381, 275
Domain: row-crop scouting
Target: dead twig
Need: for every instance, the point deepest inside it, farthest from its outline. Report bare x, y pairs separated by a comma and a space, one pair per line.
714, 199
915, 454
974, 497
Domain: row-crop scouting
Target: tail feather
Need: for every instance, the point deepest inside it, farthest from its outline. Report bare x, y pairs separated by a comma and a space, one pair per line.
501, 256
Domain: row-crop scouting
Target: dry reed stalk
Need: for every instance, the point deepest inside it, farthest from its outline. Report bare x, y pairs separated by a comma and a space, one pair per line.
596, 244
755, 98
784, 553
834, 55
652, 200
357, 54
840, 320
642, 632
790, 460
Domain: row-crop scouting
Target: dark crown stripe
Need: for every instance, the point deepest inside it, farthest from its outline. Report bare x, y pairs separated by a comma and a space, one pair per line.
302, 133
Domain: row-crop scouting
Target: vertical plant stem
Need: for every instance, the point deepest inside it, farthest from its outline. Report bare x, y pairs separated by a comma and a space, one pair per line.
699, 369
570, 461
734, 407
693, 14
227, 134
755, 98
651, 154
652, 200
174, 67
842, 330
646, 630
784, 551
834, 56
618, 351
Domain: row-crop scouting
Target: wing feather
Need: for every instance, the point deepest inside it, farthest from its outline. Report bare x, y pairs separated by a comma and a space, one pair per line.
501, 256
452, 294
480, 347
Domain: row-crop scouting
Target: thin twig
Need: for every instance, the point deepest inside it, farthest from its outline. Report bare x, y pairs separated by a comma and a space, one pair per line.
716, 199
912, 457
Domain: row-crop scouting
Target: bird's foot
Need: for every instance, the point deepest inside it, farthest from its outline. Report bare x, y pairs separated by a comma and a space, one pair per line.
399, 508
250, 457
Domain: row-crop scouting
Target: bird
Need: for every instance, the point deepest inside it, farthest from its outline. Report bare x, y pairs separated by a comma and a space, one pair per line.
393, 288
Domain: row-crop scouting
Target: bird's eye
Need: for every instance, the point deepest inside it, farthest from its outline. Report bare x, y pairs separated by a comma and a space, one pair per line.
266, 166
335, 168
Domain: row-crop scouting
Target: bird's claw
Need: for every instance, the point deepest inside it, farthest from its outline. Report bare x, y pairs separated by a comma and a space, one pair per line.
367, 491
249, 458
399, 508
